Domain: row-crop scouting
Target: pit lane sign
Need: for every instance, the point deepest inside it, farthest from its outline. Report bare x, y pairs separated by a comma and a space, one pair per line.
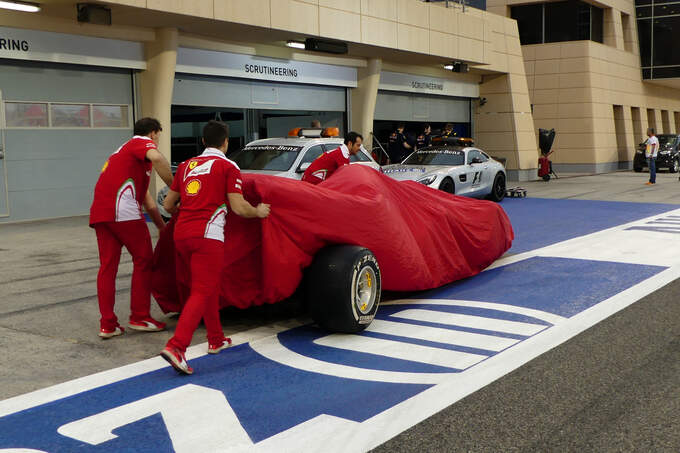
23, 44
463, 85
226, 64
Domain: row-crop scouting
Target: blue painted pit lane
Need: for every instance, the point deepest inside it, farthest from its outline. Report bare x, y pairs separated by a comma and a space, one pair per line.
539, 222
269, 398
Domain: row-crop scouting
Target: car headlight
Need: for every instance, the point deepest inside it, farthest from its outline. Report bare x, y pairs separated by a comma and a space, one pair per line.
665, 151
427, 180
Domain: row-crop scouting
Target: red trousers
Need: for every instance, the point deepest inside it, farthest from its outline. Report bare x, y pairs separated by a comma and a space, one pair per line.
202, 259
111, 237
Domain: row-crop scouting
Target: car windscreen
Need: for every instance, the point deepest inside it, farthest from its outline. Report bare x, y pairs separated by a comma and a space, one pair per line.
666, 139
436, 157
266, 157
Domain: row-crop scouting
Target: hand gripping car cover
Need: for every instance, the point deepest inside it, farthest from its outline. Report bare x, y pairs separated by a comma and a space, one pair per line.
423, 238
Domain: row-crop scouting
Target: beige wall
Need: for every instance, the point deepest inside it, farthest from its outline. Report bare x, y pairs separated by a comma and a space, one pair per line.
408, 25
408, 36
157, 85
575, 86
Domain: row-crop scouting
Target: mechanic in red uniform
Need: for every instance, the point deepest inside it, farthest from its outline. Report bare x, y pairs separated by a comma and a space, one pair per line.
207, 186
324, 165
116, 217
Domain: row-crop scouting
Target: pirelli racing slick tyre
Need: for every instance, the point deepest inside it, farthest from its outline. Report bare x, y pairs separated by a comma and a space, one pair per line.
343, 288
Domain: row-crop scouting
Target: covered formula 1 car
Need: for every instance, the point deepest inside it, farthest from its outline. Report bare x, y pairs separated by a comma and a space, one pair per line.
353, 234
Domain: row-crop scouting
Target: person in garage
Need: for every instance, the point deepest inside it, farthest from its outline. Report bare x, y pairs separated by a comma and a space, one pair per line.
448, 130
425, 139
116, 216
324, 165
207, 187
398, 146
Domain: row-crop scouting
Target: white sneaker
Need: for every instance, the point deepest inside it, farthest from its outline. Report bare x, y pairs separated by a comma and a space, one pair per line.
108, 333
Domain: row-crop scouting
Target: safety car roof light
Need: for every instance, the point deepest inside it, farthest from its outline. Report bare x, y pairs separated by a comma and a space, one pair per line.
330, 132
305, 132
314, 132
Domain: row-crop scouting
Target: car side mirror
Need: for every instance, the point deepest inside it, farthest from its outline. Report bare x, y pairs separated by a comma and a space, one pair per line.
303, 166
476, 160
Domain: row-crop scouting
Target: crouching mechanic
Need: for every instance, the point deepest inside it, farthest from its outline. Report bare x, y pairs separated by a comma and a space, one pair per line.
206, 186
324, 165
116, 217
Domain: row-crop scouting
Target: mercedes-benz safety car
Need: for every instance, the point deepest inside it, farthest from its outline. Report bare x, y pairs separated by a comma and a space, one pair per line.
459, 170
667, 157
287, 157
290, 156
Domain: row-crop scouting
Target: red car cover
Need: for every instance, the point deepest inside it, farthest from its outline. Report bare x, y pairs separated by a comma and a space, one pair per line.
422, 238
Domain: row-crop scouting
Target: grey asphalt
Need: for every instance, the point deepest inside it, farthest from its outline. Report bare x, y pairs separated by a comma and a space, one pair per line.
616, 387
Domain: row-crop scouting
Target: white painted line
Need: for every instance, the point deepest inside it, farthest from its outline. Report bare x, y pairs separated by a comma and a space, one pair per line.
452, 337
273, 350
475, 322
59, 391
402, 351
414, 410
533, 313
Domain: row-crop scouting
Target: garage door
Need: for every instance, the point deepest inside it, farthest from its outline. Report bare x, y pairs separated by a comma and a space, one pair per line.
249, 94
61, 124
393, 106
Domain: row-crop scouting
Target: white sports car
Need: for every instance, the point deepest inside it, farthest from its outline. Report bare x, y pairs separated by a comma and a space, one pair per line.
454, 169
287, 157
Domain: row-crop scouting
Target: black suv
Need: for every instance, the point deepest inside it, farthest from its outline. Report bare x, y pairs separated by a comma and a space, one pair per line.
669, 145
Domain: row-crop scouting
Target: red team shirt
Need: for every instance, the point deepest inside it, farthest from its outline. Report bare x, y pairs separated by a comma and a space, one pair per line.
123, 182
203, 184
324, 165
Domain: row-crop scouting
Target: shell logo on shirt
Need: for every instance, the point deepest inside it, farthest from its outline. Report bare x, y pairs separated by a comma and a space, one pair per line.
193, 187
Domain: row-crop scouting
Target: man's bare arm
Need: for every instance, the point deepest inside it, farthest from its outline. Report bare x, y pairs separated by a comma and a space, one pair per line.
161, 165
243, 208
152, 209
170, 202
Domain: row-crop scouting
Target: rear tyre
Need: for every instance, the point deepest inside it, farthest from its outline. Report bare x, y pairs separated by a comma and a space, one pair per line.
447, 186
343, 288
498, 189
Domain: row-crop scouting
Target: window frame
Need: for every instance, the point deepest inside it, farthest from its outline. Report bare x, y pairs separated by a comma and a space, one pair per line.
91, 106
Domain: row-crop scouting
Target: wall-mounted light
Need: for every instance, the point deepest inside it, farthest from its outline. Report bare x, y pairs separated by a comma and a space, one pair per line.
457, 66
296, 44
319, 45
21, 6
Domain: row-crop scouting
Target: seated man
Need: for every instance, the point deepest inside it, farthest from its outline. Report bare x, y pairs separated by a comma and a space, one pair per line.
324, 165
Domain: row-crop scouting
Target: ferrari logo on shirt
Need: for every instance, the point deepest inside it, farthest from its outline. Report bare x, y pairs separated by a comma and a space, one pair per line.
106, 164
197, 170
192, 164
193, 187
